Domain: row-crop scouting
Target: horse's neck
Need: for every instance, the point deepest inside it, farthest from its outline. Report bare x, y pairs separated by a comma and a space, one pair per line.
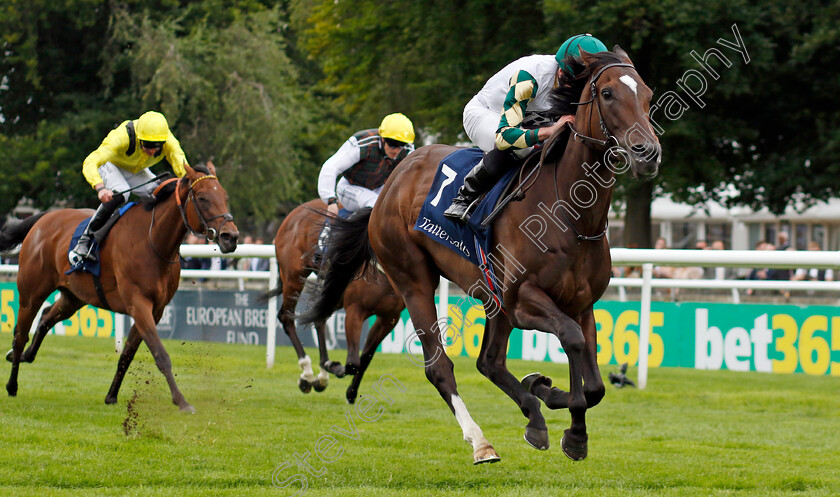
167, 229
582, 184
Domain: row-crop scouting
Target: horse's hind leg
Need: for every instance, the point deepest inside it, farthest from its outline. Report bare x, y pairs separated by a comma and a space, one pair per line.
380, 329
286, 315
64, 308
492, 363
26, 314
129, 349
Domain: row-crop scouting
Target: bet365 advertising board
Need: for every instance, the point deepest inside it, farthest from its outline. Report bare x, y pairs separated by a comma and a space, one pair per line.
738, 337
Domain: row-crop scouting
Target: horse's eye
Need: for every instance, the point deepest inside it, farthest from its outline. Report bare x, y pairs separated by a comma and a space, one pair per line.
606, 93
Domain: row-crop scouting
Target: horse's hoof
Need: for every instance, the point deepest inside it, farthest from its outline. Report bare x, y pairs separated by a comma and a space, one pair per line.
335, 368
534, 379
320, 385
350, 369
304, 385
576, 451
537, 439
110, 400
10, 355
12, 389
485, 454
351, 395
188, 409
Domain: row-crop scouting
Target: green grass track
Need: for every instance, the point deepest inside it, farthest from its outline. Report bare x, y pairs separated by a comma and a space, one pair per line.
690, 433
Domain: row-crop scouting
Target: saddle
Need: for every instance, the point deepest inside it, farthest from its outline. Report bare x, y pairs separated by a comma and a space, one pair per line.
86, 265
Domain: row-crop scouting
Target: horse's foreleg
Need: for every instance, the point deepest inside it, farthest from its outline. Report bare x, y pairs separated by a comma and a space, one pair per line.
380, 329
353, 321
440, 372
492, 363
145, 324
534, 309
130, 348
593, 384
324, 364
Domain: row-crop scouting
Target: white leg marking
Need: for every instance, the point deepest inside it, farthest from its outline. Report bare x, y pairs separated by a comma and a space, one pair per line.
323, 376
306, 366
629, 81
472, 433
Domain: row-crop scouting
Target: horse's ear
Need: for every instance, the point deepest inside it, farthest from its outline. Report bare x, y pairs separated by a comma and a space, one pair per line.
211, 168
190, 170
586, 57
622, 54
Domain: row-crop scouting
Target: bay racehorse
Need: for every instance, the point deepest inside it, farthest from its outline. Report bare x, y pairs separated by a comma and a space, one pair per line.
296, 249
548, 251
139, 268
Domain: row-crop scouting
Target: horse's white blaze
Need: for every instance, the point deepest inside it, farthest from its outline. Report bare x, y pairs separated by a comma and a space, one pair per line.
630, 82
472, 433
306, 366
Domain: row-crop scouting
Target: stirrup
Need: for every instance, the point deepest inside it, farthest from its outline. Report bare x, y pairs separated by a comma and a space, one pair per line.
465, 216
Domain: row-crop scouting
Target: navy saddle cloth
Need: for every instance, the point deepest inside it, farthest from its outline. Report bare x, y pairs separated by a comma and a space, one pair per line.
467, 240
92, 267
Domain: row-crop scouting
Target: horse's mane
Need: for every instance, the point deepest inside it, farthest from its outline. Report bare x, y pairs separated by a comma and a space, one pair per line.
570, 88
151, 201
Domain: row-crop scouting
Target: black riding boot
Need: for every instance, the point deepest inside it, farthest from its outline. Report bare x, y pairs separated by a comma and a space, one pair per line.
481, 179
103, 213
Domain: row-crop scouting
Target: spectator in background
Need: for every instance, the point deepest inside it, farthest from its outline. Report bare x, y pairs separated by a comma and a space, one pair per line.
194, 262
700, 245
813, 274
781, 274
718, 273
757, 273
662, 271
259, 263
244, 263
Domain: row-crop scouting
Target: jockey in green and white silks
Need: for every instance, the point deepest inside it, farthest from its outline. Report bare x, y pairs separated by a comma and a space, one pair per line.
509, 115
122, 161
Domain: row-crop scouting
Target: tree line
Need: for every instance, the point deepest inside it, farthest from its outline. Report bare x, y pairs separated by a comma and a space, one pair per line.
269, 89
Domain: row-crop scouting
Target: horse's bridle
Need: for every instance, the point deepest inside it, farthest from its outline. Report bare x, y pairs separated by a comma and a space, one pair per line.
206, 231
592, 142
589, 140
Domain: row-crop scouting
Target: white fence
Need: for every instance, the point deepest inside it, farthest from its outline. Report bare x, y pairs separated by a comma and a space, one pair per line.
645, 258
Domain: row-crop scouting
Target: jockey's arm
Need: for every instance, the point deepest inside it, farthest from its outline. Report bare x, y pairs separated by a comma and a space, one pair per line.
108, 150
510, 134
346, 157
175, 155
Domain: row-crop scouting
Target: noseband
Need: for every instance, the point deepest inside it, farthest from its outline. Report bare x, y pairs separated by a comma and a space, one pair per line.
206, 231
588, 140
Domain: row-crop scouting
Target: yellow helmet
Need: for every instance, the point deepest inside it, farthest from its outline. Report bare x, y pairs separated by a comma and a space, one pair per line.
397, 127
152, 127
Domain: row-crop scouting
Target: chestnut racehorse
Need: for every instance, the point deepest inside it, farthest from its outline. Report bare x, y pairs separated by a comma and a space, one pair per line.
548, 251
139, 268
295, 247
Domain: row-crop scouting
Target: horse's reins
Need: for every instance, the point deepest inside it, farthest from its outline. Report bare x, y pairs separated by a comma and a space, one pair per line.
590, 141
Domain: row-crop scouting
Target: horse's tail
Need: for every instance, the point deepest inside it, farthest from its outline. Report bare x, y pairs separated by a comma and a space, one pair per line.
348, 251
275, 292
15, 230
